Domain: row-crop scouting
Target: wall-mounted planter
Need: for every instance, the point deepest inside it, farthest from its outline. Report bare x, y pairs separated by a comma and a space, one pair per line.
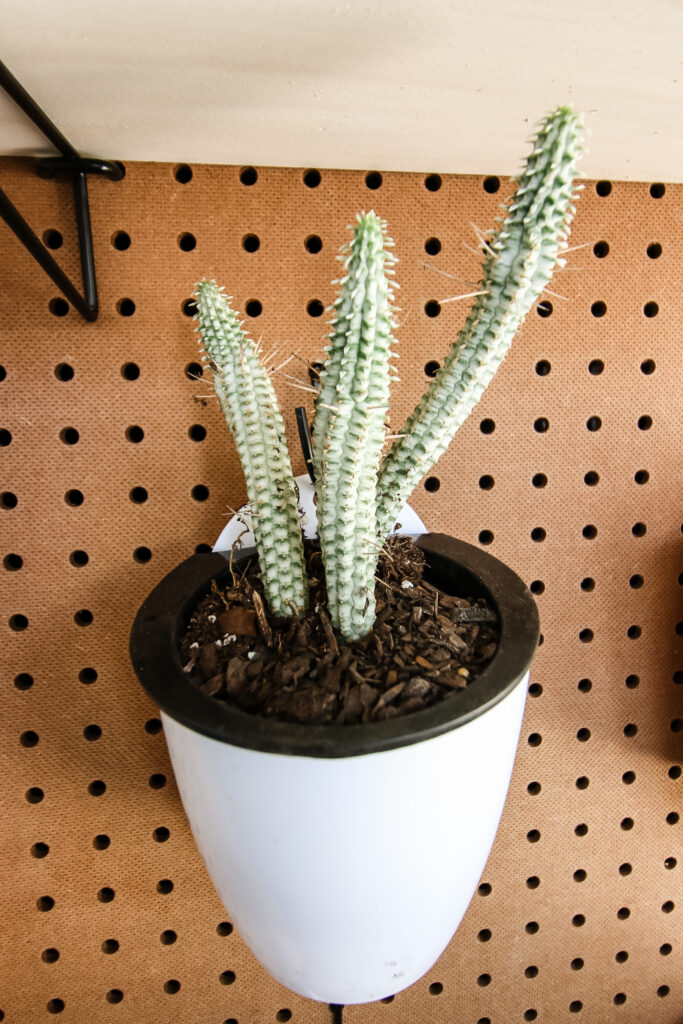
346, 855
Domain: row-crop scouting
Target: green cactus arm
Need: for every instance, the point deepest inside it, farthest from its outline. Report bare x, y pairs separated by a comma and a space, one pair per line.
349, 431
519, 264
247, 397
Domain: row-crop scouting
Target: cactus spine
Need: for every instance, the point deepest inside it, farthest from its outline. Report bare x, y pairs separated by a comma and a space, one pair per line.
247, 397
349, 428
519, 264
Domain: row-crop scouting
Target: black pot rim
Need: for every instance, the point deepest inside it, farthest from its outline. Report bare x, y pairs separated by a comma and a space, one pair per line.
156, 660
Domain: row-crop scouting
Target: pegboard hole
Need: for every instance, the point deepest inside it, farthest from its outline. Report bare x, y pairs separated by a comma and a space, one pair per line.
636, 581
312, 178
484, 935
433, 182
125, 307
92, 732
668, 907
315, 308
579, 920
628, 778
45, 904
432, 484
106, 894
654, 250
651, 309
596, 367
114, 995
483, 980
313, 244
74, 498
485, 889
593, 423
50, 956
142, 554
69, 435
34, 795
626, 824
121, 241
189, 308
585, 685
601, 249
373, 180
436, 988
432, 368
224, 928
577, 963
541, 425
487, 426
530, 1014
53, 239
161, 834
97, 787
542, 368
603, 188
5, 438
657, 190
172, 986
187, 241
13, 562
135, 434
531, 927
588, 584
101, 842
433, 246
491, 184
168, 937
29, 738
83, 617
130, 371
623, 913
153, 726
55, 1005
18, 623
533, 835
227, 978
183, 174
665, 949
139, 495
592, 478
87, 675
485, 537
586, 636
634, 632
534, 788
544, 308
40, 850
110, 946
194, 371
432, 308
23, 681
251, 243
58, 307
583, 735
589, 531
253, 308
165, 886
539, 480
639, 529
64, 372
533, 882
531, 971
674, 771
538, 534
197, 432
200, 492
583, 782
248, 176
599, 308
576, 1006
157, 781
283, 1015
663, 991
625, 869
387, 999
203, 549
580, 875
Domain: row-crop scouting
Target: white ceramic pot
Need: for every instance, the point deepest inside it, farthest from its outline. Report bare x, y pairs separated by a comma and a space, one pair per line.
346, 855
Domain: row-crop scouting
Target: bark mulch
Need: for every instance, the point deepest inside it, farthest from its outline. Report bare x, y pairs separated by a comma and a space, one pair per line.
425, 646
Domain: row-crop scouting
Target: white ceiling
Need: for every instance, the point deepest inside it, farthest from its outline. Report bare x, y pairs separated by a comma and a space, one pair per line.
444, 85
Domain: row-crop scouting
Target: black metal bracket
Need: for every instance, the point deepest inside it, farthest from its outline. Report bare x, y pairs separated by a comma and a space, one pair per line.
70, 162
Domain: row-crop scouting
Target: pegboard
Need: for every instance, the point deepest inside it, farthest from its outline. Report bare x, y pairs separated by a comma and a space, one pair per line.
117, 465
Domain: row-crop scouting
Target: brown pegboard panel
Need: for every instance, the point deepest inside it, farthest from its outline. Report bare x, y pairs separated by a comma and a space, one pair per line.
117, 465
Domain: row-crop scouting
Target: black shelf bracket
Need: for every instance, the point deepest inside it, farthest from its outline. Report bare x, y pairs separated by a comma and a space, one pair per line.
70, 162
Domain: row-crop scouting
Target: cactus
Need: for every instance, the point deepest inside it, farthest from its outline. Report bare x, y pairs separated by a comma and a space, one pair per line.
348, 431
247, 397
358, 500
519, 263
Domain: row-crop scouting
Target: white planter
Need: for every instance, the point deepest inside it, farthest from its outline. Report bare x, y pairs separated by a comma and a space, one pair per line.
345, 855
